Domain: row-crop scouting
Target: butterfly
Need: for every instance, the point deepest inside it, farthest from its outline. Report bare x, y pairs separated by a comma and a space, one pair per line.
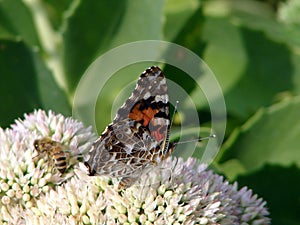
138, 137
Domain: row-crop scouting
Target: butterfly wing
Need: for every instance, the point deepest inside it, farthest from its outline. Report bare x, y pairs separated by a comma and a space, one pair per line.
150, 94
139, 134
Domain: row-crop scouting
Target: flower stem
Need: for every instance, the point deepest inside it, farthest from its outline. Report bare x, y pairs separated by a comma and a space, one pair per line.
51, 41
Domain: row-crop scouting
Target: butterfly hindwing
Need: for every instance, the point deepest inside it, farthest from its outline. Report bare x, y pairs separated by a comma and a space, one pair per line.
138, 137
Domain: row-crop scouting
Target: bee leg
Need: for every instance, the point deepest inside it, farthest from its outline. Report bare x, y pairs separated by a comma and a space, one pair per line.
35, 156
80, 157
127, 182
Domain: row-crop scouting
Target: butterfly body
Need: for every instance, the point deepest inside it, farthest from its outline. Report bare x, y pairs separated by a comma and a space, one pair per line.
138, 137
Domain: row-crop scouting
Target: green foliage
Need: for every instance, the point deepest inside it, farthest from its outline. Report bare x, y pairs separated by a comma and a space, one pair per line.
279, 187
268, 126
251, 46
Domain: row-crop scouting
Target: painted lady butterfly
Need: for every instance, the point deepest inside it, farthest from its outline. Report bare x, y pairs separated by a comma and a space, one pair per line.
138, 137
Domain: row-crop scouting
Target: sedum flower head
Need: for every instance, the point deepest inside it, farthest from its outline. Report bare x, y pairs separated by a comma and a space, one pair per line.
33, 193
25, 177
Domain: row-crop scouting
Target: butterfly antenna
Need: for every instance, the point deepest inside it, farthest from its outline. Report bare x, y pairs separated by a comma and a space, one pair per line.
174, 112
197, 139
192, 140
168, 134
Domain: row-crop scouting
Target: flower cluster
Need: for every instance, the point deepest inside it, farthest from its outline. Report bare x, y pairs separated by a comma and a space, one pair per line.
33, 193
25, 177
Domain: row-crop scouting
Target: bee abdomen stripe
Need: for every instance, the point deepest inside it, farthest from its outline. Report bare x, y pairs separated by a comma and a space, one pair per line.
62, 170
61, 158
60, 164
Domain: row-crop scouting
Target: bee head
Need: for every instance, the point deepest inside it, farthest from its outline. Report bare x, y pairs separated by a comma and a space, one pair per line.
36, 145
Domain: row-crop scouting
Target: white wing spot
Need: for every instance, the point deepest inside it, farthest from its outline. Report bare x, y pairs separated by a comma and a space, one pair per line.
147, 95
163, 81
162, 98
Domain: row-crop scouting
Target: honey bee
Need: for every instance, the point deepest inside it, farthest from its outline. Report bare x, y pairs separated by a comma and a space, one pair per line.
54, 150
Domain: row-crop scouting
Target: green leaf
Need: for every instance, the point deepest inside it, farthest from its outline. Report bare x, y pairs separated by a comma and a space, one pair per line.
224, 53
270, 136
177, 14
51, 95
249, 67
190, 35
95, 28
17, 87
268, 72
296, 73
279, 186
56, 10
280, 31
16, 19
252, 60
273, 29
6, 29
289, 11
231, 168
25, 83
143, 20
89, 29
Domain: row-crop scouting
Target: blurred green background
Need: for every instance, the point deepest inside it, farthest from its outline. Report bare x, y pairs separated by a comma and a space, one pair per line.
253, 48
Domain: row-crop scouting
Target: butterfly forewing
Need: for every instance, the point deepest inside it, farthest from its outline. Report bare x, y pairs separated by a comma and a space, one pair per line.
150, 86
139, 134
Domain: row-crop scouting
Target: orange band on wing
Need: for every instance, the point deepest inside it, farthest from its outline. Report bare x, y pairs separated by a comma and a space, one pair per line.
159, 134
146, 115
